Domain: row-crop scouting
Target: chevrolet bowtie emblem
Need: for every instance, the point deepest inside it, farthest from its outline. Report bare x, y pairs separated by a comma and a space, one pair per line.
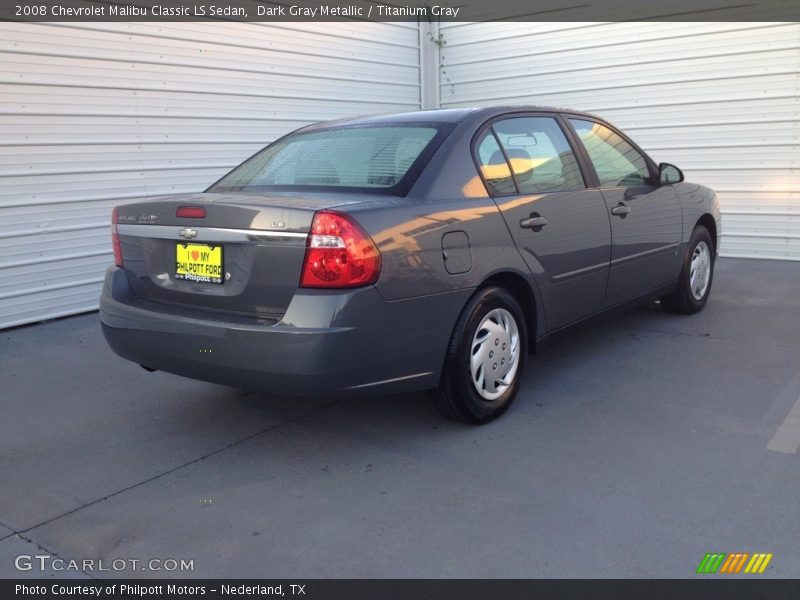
187, 233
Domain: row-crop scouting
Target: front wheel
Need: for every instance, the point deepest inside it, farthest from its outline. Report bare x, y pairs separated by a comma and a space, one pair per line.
485, 358
696, 275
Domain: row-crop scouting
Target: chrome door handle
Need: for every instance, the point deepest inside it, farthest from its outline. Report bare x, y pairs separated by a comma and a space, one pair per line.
621, 210
535, 222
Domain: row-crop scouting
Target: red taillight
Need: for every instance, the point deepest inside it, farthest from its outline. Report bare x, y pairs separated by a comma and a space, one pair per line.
115, 238
339, 254
191, 212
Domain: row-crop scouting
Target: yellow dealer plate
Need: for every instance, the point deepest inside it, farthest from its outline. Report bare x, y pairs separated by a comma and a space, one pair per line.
201, 263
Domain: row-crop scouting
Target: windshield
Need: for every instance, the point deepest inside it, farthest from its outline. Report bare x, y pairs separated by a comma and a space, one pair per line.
359, 157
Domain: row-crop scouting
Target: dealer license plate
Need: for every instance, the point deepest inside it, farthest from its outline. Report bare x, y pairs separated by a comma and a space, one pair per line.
201, 263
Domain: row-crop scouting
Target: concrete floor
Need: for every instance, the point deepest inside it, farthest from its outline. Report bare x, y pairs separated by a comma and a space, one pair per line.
634, 447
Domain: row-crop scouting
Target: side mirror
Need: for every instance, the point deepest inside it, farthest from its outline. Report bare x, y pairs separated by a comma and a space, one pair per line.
668, 174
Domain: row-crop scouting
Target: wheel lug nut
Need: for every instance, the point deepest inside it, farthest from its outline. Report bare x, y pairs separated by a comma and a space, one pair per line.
496, 341
504, 346
491, 353
494, 367
502, 361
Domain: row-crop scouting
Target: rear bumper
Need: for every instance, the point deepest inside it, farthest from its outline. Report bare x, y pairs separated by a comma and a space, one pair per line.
328, 344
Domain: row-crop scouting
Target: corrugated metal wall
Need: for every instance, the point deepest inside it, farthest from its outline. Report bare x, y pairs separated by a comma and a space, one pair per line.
720, 100
93, 115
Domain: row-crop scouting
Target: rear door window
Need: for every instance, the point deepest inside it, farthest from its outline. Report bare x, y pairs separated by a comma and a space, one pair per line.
493, 166
540, 155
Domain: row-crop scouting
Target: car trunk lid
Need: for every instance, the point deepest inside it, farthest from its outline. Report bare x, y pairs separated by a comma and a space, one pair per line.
244, 256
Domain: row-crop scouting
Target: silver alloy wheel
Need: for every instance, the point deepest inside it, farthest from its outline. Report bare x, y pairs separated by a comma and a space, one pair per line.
700, 270
494, 355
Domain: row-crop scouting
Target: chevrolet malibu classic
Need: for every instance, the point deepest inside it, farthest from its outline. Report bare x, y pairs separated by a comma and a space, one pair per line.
426, 250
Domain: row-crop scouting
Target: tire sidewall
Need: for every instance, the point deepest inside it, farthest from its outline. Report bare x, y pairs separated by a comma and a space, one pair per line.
479, 409
700, 234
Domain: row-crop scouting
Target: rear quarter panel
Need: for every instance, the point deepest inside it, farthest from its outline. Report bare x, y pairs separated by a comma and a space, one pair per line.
409, 235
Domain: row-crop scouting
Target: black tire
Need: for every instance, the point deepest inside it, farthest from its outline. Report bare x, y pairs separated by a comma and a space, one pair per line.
682, 300
457, 397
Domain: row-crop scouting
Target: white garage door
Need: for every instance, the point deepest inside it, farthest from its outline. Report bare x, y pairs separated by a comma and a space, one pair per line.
720, 100
96, 115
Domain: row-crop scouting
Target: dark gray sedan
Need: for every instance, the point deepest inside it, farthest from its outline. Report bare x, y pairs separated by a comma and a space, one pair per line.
427, 250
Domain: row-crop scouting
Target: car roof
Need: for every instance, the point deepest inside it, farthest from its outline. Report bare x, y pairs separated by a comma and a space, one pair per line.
443, 115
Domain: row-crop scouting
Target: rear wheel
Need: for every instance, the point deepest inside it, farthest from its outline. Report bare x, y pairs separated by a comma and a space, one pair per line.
697, 274
485, 358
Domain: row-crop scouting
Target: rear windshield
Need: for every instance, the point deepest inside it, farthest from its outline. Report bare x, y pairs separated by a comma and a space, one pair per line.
374, 158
